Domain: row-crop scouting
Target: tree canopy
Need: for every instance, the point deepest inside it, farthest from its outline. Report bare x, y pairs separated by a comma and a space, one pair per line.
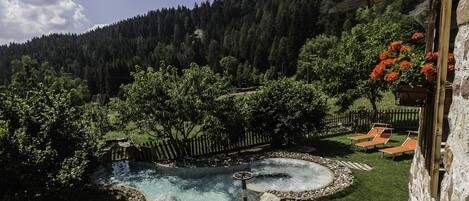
178, 106
344, 72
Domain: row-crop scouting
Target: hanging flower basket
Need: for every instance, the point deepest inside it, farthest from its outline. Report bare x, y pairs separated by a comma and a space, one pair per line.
412, 96
405, 68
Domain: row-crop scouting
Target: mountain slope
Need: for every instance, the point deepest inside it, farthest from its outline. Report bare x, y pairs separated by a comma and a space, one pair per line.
260, 35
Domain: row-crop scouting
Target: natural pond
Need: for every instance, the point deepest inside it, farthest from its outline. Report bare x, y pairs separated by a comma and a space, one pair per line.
216, 183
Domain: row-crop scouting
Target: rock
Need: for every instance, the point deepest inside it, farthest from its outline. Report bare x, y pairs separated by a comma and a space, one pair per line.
455, 184
130, 193
463, 12
419, 182
256, 188
464, 88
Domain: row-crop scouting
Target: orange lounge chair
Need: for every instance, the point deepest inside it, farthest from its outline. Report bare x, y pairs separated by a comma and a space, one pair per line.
370, 135
409, 145
377, 129
380, 139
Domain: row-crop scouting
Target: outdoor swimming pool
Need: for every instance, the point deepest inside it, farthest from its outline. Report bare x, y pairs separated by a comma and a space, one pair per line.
216, 184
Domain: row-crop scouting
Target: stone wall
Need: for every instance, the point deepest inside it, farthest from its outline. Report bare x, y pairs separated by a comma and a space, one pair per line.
419, 181
455, 184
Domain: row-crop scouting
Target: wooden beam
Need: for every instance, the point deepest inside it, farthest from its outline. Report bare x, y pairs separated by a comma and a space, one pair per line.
442, 66
430, 26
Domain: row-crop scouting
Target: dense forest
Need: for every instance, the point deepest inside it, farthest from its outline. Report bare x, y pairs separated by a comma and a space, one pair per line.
243, 39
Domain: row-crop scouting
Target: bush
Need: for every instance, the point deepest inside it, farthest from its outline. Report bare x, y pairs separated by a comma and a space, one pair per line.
46, 149
225, 123
285, 110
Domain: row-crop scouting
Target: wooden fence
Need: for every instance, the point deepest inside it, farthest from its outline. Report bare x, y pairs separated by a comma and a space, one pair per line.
201, 146
401, 120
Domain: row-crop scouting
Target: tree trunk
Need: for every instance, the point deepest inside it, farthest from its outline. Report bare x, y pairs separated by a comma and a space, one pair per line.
373, 104
372, 100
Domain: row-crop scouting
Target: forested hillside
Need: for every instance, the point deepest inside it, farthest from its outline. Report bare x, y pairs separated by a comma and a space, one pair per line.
243, 38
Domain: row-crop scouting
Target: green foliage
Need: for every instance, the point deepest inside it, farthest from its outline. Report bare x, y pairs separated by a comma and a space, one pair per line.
46, 149
177, 107
229, 65
98, 119
241, 75
312, 56
286, 110
29, 74
225, 123
345, 71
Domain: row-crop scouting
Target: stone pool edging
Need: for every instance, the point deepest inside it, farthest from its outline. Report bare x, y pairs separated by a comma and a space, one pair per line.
131, 193
343, 177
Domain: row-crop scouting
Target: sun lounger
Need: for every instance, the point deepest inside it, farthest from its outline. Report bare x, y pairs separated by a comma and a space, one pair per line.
370, 135
377, 129
380, 139
409, 145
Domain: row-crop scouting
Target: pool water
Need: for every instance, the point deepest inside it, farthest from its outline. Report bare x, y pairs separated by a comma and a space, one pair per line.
302, 175
215, 184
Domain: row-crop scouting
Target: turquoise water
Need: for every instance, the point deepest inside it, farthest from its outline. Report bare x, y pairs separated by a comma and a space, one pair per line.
215, 184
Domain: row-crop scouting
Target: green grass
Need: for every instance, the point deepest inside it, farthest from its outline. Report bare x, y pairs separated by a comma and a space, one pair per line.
133, 135
388, 181
388, 102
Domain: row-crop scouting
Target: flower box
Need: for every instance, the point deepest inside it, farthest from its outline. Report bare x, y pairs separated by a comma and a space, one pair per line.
412, 96
406, 63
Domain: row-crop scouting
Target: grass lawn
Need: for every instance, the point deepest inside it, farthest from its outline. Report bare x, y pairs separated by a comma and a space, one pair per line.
388, 102
386, 182
134, 135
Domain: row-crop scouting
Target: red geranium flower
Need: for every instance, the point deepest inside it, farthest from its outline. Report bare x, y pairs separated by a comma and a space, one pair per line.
432, 56
426, 68
450, 66
404, 48
450, 57
431, 75
429, 71
389, 61
391, 76
404, 64
417, 36
395, 45
377, 71
383, 55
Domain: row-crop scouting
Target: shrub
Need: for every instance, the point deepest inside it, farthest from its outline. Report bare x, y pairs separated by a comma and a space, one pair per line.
285, 110
225, 124
46, 150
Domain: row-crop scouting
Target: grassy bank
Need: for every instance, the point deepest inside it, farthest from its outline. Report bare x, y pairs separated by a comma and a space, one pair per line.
388, 102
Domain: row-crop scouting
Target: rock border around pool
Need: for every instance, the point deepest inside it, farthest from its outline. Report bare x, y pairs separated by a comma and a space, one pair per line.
343, 177
131, 193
